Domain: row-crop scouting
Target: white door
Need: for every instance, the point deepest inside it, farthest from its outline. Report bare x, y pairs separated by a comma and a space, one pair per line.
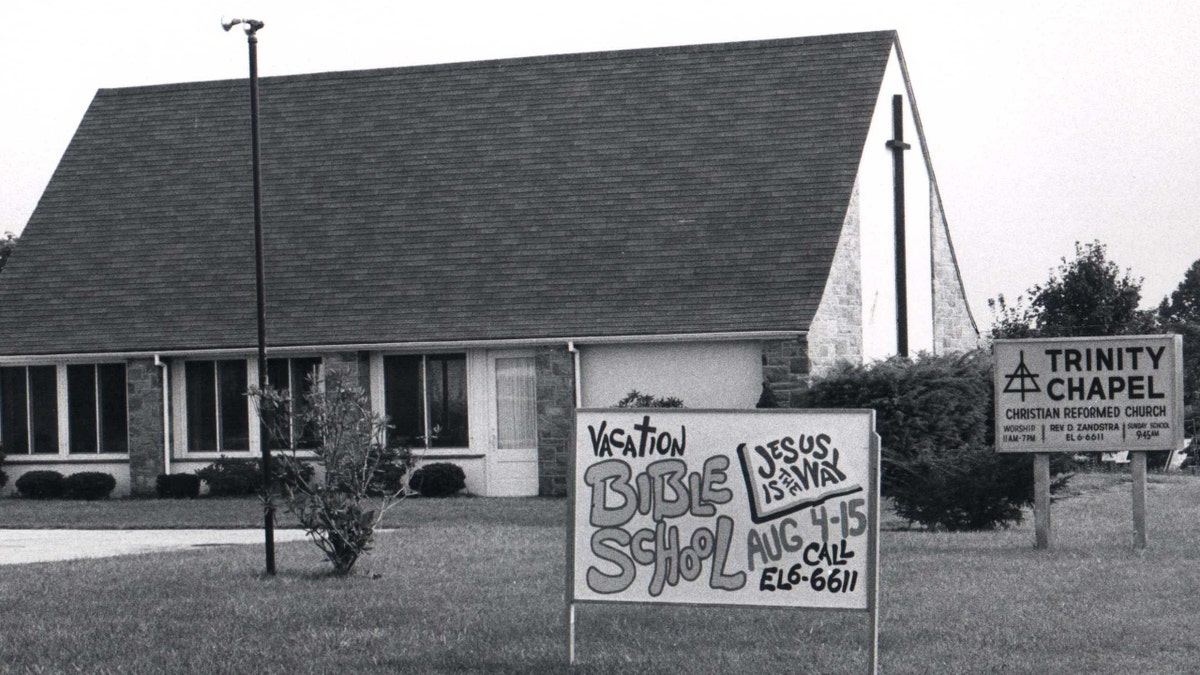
512, 464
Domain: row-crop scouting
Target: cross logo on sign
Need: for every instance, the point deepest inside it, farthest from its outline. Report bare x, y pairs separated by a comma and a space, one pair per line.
1027, 380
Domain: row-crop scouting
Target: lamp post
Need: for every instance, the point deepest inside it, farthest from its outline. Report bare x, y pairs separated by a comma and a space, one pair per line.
252, 26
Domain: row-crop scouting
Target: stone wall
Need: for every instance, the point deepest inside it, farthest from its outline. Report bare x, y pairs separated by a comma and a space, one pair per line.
144, 390
555, 418
954, 328
836, 333
785, 370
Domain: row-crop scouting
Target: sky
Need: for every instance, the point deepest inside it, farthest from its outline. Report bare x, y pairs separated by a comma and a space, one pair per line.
1048, 123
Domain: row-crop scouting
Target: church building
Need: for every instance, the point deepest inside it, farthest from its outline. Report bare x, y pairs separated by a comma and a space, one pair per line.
484, 246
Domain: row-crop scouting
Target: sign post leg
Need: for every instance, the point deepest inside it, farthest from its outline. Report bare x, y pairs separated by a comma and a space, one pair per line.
1041, 499
873, 660
1138, 467
873, 547
571, 634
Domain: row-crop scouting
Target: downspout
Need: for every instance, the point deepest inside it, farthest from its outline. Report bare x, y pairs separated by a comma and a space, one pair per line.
166, 387
575, 353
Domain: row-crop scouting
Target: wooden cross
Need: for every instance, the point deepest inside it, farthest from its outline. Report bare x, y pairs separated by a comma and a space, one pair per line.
898, 146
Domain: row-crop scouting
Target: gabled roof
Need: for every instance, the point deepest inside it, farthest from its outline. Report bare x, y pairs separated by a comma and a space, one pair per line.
694, 189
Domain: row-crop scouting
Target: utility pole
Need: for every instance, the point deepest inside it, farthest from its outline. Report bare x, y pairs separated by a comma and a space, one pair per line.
252, 26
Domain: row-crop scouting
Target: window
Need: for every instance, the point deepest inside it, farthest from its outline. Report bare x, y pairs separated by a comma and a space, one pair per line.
218, 416
297, 376
97, 410
95, 399
29, 410
423, 394
516, 403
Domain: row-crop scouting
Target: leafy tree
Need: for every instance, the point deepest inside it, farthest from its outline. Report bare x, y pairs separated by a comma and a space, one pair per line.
7, 245
1184, 303
1085, 296
1180, 313
361, 478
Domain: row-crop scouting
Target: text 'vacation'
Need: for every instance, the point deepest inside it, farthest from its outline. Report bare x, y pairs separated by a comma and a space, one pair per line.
644, 440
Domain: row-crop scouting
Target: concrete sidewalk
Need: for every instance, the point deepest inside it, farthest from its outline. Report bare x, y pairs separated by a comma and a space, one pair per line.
30, 546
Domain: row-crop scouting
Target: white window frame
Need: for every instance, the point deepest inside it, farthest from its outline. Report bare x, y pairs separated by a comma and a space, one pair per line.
378, 392
64, 414
180, 450
63, 420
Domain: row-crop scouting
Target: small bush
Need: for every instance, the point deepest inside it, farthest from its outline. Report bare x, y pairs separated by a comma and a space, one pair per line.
636, 399
391, 473
232, 477
41, 485
1157, 460
237, 477
177, 486
89, 485
287, 470
440, 479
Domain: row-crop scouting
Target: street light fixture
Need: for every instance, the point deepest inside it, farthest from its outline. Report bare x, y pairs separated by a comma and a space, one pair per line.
252, 26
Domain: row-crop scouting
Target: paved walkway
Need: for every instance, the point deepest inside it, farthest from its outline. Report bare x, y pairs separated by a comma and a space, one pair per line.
29, 546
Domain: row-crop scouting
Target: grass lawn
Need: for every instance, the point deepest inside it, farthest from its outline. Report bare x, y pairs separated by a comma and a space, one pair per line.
476, 585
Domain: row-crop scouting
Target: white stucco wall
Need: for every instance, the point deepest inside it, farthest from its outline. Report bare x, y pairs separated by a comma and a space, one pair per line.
704, 375
877, 223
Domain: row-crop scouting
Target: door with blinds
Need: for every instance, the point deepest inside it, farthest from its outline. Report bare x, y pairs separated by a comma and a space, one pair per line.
512, 464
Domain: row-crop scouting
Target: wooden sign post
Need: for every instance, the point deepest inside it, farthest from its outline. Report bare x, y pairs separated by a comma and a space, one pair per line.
1041, 500
752, 508
1138, 469
1090, 394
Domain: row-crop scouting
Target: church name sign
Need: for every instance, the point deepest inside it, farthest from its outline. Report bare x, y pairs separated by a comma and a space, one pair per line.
1089, 394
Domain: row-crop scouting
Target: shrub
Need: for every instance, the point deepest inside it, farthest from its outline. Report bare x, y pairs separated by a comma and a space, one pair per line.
340, 511
3, 476
970, 488
236, 477
1157, 460
391, 473
41, 485
288, 470
636, 399
232, 477
440, 479
89, 485
177, 486
935, 417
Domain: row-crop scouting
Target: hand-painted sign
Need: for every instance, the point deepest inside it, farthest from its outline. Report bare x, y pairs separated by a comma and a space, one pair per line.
758, 508
1084, 394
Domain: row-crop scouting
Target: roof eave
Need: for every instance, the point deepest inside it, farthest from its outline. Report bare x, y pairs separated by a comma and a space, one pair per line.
400, 346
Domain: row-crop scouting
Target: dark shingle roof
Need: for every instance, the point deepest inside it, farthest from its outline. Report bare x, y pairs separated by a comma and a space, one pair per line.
675, 190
